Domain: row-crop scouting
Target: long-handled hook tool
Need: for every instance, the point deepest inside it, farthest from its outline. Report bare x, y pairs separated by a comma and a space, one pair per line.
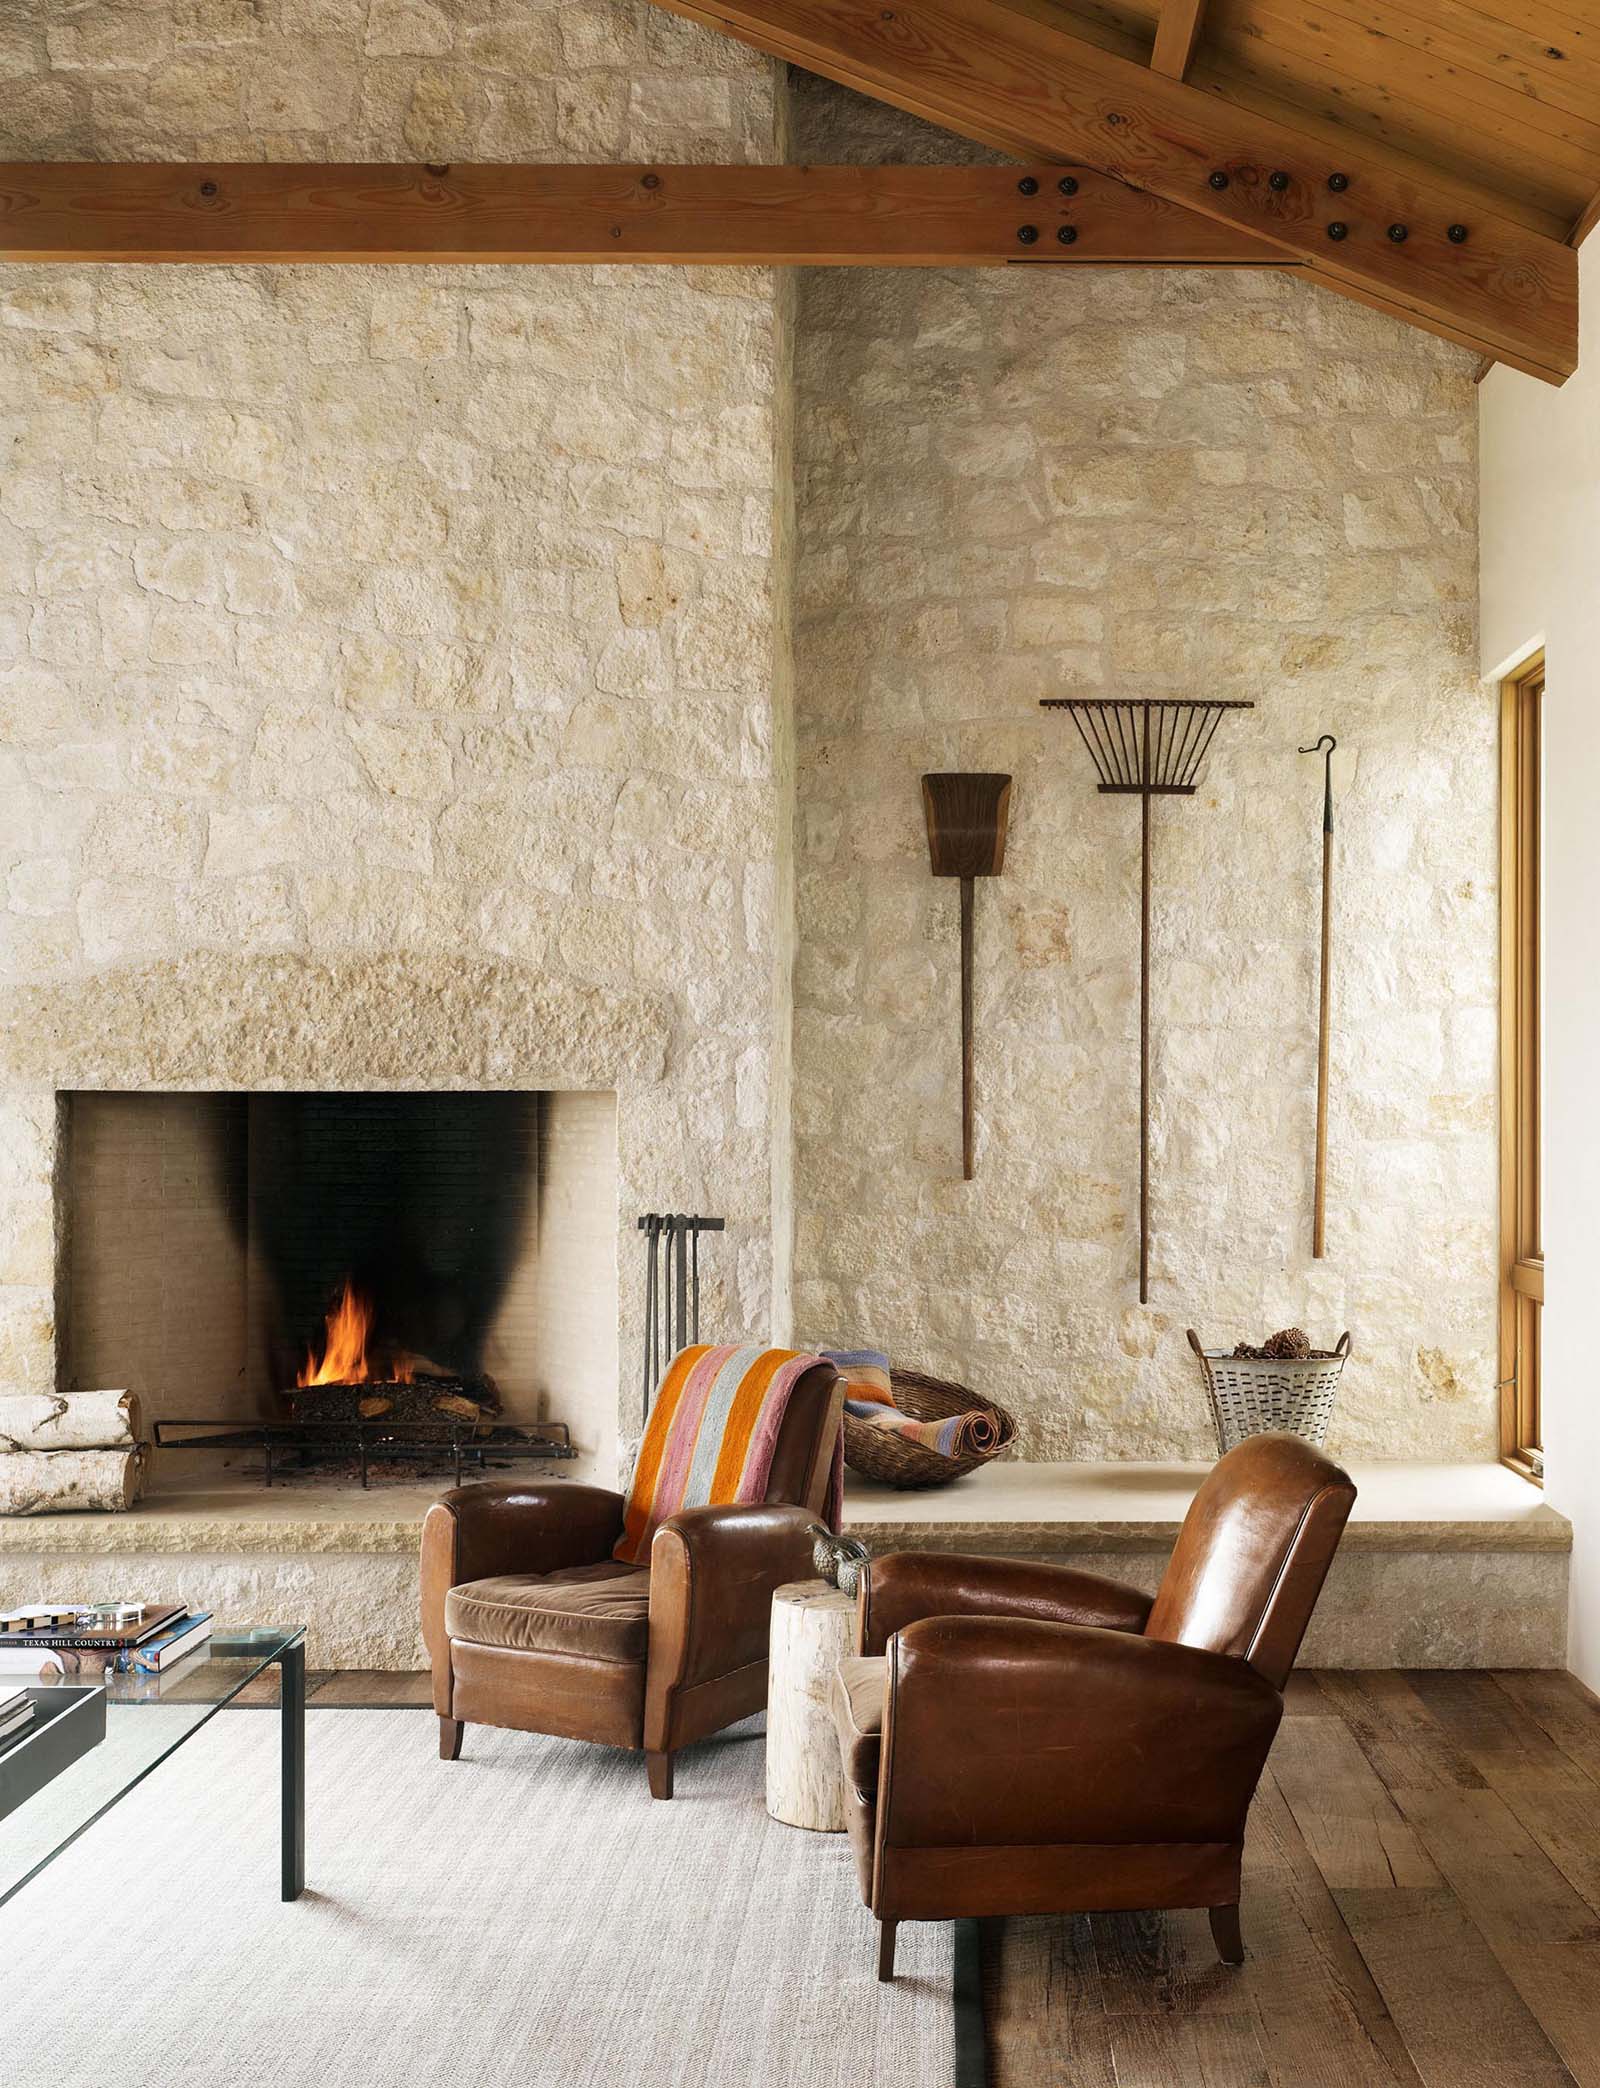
1319, 1205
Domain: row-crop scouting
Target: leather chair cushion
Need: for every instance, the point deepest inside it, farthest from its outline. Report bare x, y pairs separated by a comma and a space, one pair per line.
599, 1612
859, 1687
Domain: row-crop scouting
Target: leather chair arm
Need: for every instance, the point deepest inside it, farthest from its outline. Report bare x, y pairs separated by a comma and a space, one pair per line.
510, 1526
712, 1573
902, 1586
1000, 1731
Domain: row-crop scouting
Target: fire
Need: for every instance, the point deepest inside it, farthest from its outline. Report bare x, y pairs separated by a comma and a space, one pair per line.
344, 1353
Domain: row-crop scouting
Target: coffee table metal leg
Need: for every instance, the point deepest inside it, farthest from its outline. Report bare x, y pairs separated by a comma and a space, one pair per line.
292, 1666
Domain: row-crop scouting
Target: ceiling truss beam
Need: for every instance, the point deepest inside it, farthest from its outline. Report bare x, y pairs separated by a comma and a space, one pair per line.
872, 216
1178, 29
1010, 75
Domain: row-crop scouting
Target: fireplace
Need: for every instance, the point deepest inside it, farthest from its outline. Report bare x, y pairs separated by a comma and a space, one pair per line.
393, 1276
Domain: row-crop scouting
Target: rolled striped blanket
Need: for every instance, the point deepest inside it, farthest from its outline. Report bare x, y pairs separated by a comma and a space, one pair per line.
711, 1436
961, 1435
869, 1396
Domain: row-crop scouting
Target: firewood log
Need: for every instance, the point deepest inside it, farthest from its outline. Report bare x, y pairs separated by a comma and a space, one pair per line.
56, 1482
68, 1420
459, 1407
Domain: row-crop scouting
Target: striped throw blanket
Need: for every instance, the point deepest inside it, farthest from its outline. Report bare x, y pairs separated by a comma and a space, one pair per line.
960, 1435
711, 1436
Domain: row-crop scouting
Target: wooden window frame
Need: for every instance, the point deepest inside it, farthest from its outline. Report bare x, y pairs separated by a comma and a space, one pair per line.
1521, 1041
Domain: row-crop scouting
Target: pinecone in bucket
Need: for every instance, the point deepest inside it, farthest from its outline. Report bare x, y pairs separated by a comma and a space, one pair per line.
1288, 1345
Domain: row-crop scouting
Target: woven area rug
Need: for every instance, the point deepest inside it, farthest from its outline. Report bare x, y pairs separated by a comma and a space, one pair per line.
525, 1915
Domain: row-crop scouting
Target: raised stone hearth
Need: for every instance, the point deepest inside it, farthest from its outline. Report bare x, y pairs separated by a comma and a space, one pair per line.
1442, 1566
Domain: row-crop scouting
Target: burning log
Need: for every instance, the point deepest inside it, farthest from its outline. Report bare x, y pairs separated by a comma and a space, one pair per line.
459, 1407
473, 1400
341, 1384
345, 1385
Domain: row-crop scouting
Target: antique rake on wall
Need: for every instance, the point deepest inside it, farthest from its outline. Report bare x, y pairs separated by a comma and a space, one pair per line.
1145, 749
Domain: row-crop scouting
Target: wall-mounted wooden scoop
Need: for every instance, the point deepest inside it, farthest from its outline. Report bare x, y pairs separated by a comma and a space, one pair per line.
966, 839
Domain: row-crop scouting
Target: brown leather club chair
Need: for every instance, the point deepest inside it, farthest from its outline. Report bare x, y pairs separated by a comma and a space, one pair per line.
531, 1623
1021, 1738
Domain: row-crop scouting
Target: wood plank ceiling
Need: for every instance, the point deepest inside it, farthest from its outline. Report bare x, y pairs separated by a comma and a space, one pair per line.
1487, 114
1505, 99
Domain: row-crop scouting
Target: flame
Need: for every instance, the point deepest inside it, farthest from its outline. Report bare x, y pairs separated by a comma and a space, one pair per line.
344, 1353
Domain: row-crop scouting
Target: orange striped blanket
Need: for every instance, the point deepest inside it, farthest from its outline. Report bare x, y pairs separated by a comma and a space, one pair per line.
711, 1435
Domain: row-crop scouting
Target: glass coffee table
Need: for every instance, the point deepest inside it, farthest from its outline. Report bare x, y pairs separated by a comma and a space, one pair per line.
146, 1717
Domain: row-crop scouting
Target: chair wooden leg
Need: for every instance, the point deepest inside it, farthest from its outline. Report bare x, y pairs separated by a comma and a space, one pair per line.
1225, 1934
886, 1931
450, 1736
658, 1767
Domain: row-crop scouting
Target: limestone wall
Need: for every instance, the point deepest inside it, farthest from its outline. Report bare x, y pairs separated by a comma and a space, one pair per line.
1022, 483
395, 688
387, 656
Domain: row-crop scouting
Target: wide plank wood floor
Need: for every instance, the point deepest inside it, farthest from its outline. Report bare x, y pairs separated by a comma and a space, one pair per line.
1421, 1905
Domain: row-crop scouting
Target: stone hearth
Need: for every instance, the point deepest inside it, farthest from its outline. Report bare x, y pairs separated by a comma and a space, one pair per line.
1442, 1565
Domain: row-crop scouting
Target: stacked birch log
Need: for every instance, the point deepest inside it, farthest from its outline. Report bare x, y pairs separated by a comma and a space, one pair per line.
69, 1451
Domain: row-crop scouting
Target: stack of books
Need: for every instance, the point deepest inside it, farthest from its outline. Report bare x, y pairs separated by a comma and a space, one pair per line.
127, 1637
16, 1712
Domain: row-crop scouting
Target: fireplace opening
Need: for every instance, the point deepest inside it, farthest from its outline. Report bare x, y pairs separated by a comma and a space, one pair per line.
370, 1285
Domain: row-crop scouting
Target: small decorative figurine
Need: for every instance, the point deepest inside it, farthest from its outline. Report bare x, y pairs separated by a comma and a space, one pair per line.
838, 1560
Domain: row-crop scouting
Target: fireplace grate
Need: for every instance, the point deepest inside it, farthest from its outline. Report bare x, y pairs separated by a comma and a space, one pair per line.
466, 1447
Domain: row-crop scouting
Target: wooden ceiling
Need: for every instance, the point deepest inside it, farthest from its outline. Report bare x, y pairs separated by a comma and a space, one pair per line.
1504, 98
1440, 114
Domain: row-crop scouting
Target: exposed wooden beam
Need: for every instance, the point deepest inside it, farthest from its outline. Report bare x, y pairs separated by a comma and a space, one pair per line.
1588, 218
880, 216
1009, 75
1177, 32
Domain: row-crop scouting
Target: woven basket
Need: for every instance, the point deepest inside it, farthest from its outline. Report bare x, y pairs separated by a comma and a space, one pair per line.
1250, 1397
878, 1453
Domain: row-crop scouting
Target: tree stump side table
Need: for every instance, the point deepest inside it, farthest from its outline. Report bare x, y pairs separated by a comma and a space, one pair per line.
813, 1629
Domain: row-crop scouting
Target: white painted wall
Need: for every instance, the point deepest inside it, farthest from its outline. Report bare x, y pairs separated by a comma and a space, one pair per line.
1540, 581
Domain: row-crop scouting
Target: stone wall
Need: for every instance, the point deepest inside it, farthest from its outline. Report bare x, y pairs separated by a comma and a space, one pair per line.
387, 655
395, 689
1024, 483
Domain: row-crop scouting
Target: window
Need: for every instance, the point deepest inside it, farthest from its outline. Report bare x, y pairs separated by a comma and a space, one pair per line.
1521, 1234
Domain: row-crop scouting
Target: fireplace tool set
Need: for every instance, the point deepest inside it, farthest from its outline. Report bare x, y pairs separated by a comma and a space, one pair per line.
671, 1289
